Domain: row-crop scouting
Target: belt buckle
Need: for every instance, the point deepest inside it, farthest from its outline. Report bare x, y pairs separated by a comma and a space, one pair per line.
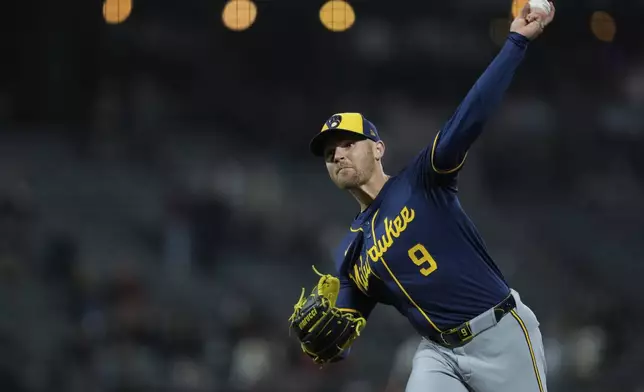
445, 342
463, 333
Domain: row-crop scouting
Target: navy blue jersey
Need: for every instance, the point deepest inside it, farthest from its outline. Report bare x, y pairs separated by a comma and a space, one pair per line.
414, 247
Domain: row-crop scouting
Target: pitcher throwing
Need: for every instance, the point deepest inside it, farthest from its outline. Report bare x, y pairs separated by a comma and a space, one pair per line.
412, 246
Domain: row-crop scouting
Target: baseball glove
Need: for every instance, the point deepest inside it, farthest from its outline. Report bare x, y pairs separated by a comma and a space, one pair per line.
324, 331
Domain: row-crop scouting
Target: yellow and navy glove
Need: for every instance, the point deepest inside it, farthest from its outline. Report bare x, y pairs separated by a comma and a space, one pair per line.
324, 331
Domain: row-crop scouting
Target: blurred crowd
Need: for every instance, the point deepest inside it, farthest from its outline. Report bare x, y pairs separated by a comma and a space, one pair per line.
160, 213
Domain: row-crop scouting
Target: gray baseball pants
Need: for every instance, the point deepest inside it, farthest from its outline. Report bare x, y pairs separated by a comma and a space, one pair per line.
507, 357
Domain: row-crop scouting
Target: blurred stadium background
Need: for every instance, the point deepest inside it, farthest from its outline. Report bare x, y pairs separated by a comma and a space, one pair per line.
159, 210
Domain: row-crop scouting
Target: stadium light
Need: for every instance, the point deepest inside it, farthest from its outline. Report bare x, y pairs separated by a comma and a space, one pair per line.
239, 15
517, 6
337, 15
116, 11
603, 26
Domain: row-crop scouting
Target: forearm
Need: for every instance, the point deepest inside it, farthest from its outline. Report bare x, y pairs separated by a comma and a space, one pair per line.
467, 122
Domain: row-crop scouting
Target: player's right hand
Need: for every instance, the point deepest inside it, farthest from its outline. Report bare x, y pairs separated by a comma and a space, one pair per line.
531, 24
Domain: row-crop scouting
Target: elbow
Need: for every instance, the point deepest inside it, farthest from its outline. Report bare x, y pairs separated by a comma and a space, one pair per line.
449, 166
444, 162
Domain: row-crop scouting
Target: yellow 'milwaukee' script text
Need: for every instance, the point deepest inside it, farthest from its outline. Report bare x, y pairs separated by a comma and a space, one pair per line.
361, 274
393, 229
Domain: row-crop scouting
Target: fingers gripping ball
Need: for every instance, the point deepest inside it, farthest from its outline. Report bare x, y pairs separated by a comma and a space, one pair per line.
540, 6
324, 331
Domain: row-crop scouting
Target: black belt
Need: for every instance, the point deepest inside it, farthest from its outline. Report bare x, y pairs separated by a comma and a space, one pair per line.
459, 336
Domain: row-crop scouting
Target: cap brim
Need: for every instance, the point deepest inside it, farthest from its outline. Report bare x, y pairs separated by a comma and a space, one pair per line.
319, 141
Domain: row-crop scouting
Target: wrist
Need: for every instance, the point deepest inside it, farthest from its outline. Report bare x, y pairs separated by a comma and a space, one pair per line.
519, 40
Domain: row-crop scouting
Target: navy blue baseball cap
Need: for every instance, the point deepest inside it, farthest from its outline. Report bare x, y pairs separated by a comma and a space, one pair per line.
353, 123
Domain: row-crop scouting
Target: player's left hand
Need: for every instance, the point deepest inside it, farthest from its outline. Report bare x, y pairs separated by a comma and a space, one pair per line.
324, 331
531, 24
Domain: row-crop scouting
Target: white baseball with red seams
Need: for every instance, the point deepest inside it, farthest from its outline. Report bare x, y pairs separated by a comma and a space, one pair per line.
540, 5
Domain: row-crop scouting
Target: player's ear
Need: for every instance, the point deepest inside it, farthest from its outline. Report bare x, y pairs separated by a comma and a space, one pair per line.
379, 150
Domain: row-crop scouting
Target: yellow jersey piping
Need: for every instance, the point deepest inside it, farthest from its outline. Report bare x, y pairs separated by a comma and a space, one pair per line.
373, 233
527, 339
439, 171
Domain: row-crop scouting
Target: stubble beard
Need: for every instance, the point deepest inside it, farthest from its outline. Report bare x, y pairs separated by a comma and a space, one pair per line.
349, 179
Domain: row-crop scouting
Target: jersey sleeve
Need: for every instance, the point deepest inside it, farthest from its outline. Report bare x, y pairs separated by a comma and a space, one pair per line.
351, 299
449, 149
420, 172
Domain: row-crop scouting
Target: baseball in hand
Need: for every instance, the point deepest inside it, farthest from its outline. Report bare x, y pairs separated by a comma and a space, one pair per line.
540, 6
533, 18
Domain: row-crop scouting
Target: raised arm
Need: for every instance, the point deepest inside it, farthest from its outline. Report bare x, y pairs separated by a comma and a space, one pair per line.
461, 130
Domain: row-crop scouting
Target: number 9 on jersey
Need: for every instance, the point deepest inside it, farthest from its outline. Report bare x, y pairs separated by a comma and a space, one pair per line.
421, 257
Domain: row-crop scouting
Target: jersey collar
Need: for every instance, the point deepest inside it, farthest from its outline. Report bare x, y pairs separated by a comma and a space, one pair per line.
359, 220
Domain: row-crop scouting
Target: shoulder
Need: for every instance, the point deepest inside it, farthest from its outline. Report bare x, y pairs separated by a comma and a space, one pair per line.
420, 172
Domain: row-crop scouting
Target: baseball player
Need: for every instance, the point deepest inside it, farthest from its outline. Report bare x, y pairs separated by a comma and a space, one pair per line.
412, 246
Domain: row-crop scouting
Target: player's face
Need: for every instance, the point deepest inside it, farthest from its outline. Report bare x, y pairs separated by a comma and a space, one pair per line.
350, 160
